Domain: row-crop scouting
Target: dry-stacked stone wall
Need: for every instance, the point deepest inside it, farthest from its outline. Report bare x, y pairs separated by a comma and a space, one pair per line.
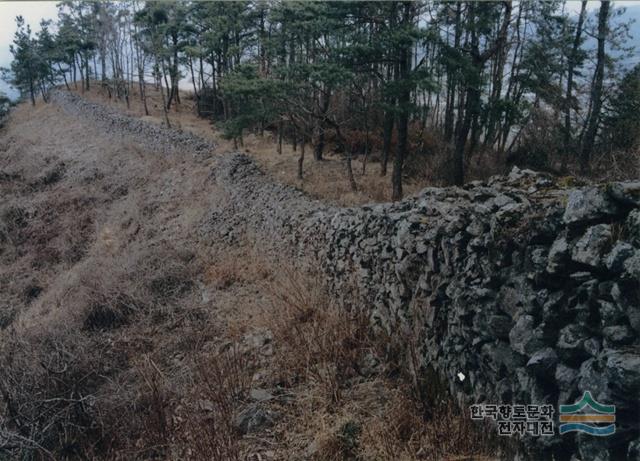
530, 289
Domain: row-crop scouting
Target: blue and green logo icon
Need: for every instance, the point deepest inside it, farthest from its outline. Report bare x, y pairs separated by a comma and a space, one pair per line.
588, 416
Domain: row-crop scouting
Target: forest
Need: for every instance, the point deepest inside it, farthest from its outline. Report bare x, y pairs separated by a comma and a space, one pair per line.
535, 84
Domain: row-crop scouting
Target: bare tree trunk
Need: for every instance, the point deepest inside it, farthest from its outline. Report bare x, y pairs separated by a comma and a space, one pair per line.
451, 80
87, 73
352, 180
366, 148
387, 132
570, 71
64, 76
301, 158
596, 91
404, 99
164, 102
294, 140
81, 69
320, 127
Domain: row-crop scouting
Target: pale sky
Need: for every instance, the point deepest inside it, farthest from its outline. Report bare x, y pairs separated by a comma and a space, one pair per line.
574, 5
32, 12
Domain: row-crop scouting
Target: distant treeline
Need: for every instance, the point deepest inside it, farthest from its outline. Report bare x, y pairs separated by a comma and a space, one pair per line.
511, 79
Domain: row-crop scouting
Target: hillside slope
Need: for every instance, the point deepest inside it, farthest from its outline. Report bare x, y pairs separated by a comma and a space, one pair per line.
127, 332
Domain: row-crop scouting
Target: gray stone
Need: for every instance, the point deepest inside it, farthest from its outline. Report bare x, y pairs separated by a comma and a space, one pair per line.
522, 338
632, 266
590, 247
623, 371
206, 405
571, 342
618, 335
370, 365
632, 225
502, 357
633, 451
538, 258
476, 228
581, 276
499, 326
620, 252
594, 448
253, 418
516, 174
566, 377
589, 205
260, 395
610, 313
543, 362
626, 192
593, 346
592, 378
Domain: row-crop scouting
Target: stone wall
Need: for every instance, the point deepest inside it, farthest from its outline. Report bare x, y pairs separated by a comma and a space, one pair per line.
530, 289
113, 121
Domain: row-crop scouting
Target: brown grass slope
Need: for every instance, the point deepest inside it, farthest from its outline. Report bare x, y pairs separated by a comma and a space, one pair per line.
125, 333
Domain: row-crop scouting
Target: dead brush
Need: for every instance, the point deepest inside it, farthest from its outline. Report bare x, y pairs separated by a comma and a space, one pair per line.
47, 396
13, 222
154, 407
222, 382
223, 274
401, 431
109, 312
110, 298
233, 268
315, 340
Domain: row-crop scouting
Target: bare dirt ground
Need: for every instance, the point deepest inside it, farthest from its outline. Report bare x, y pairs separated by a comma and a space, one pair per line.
127, 333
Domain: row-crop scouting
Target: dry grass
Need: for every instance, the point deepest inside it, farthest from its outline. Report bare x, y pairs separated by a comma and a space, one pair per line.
349, 397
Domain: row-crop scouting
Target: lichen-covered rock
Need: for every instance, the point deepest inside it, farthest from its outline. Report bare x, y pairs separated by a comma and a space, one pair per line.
616, 258
566, 377
590, 248
632, 266
623, 371
558, 255
632, 226
522, 336
589, 205
626, 192
571, 343
543, 362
